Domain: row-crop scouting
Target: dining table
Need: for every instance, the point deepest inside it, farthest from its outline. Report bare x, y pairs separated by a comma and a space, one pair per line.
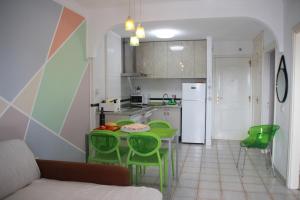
168, 136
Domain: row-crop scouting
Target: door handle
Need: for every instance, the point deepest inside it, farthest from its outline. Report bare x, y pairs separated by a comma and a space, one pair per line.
257, 99
249, 98
219, 99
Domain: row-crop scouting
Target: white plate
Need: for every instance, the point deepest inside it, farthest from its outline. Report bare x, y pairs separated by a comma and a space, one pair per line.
134, 131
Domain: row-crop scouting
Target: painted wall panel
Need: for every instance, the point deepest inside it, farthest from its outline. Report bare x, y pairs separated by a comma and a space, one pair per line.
69, 21
77, 124
3, 105
61, 78
27, 28
26, 98
13, 125
47, 145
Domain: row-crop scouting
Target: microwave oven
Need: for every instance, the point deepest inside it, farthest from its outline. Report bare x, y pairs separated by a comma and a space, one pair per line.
138, 99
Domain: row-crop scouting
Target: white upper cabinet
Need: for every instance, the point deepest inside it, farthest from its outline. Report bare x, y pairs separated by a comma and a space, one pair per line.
175, 69
160, 59
174, 59
188, 59
145, 58
200, 59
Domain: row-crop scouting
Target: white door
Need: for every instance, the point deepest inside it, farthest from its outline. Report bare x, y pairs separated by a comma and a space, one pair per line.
232, 98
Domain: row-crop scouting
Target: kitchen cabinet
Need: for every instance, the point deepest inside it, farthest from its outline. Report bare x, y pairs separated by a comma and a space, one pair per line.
200, 59
172, 115
175, 67
160, 60
144, 58
188, 59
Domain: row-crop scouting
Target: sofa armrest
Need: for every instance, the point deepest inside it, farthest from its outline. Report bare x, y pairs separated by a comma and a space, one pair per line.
82, 172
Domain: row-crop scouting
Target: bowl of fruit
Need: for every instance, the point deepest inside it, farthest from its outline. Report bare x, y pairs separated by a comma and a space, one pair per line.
110, 126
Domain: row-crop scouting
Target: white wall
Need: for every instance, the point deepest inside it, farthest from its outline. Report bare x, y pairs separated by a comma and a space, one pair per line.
291, 18
113, 65
232, 48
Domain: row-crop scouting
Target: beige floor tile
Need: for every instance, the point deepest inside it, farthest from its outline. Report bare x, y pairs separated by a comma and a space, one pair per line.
209, 177
188, 183
258, 196
278, 189
249, 187
209, 194
283, 197
232, 186
209, 185
251, 179
227, 178
185, 192
231, 195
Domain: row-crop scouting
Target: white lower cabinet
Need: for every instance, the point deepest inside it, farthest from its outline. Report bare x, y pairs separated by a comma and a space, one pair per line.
172, 115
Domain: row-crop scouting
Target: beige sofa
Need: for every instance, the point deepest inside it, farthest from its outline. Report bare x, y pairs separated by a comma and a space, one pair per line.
24, 178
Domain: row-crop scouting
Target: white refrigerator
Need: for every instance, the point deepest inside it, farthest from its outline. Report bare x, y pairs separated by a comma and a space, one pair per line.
193, 112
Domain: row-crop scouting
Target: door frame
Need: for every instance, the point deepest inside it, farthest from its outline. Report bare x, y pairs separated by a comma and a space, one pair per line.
215, 89
294, 139
266, 63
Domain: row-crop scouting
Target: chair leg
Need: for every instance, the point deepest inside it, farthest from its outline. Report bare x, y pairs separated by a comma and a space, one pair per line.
173, 168
131, 174
266, 159
238, 160
161, 182
136, 174
245, 154
166, 168
272, 165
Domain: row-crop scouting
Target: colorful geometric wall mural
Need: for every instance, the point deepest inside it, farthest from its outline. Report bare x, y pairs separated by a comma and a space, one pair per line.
44, 78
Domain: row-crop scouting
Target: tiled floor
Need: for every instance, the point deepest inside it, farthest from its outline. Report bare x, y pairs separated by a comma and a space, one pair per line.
210, 174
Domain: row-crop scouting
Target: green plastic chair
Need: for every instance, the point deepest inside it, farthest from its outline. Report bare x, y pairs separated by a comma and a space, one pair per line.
163, 124
144, 151
259, 137
104, 148
123, 122
159, 124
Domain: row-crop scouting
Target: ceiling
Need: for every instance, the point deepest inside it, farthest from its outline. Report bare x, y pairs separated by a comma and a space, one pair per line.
232, 29
114, 3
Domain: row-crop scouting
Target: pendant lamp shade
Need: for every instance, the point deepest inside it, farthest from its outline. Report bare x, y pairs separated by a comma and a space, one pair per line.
129, 24
140, 31
134, 41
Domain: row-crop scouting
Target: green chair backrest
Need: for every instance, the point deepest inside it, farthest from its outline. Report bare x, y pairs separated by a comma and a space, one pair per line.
159, 124
123, 122
103, 141
262, 134
144, 144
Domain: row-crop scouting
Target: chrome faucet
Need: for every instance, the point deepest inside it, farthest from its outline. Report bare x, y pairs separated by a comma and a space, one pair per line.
163, 101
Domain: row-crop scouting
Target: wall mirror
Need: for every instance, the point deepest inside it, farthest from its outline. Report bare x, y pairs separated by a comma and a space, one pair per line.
282, 81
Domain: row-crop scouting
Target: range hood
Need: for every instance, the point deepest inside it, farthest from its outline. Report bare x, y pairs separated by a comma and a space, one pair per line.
129, 68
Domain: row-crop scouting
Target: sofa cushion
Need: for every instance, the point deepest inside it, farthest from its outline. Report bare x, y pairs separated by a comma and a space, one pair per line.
18, 167
49, 189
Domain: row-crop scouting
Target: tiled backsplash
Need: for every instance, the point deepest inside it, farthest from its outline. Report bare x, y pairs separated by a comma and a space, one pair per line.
157, 87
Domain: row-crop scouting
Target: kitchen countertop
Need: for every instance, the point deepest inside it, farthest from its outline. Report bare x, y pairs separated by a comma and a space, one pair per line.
129, 111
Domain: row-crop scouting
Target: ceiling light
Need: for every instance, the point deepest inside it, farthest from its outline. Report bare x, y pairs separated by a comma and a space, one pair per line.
134, 41
176, 48
129, 24
164, 33
140, 32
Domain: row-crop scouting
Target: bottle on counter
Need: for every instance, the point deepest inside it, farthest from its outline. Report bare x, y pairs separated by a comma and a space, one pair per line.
102, 117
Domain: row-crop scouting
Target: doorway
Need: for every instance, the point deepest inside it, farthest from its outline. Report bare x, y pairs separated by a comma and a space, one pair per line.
232, 97
294, 140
